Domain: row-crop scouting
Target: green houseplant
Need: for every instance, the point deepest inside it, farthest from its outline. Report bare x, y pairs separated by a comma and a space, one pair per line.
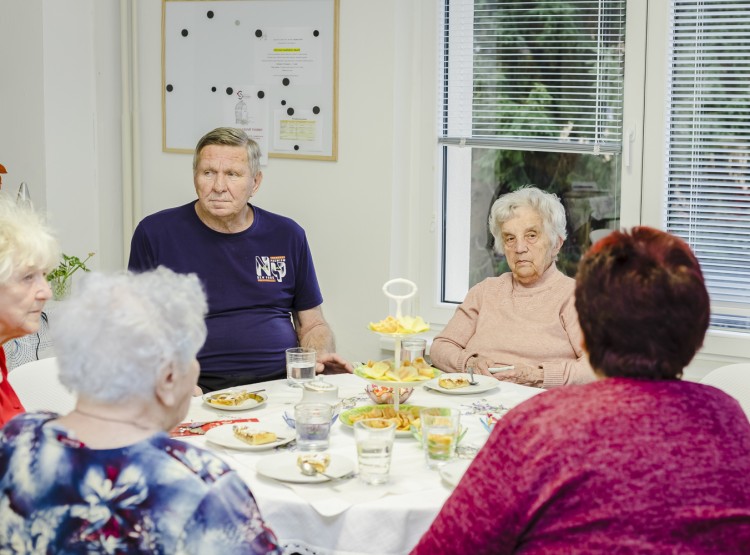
60, 278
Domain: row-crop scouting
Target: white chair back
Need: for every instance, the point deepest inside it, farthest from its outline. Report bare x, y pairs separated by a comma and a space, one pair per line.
38, 387
734, 380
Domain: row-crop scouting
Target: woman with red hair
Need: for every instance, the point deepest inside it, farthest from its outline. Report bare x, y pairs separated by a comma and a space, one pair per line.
638, 461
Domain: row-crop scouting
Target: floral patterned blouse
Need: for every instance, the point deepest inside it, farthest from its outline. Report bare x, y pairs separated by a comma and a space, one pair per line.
160, 496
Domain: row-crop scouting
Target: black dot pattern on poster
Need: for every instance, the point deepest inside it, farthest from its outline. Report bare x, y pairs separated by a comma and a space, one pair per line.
184, 32
290, 111
316, 110
258, 33
296, 147
261, 94
210, 14
283, 102
316, 33
213, 89
230, 90
285, 81
170, 88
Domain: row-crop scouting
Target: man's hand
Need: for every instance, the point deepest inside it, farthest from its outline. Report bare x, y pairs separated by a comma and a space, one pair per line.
331, 363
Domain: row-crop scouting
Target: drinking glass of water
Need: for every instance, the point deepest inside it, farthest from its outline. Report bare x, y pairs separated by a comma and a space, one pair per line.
374, 439
300, 366
312, 425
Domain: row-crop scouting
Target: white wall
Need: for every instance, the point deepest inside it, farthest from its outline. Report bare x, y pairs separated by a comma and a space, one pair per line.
57, 95
22, 145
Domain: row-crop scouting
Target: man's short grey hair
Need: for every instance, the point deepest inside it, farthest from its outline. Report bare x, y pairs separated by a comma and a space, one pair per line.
547, 205
25, 240
117, 332
230, 136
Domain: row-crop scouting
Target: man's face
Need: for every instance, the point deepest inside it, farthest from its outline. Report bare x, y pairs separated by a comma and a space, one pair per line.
223, 181
527, 247
22, 299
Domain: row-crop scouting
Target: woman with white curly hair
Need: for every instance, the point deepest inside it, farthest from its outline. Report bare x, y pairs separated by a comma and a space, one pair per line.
525, 320
106, 477
27, 252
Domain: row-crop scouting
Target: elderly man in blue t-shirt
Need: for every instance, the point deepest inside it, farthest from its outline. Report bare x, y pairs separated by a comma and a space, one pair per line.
256, 268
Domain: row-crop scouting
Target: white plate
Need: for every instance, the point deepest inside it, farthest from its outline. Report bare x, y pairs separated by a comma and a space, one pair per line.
245, 405
454, 471
283, 467
485, 384
224, 436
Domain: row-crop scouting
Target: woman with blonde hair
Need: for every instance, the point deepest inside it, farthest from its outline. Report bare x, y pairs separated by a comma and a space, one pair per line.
27, 252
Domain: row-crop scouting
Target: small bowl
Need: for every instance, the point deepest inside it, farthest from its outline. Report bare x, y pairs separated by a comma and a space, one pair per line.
383, 395
289, 418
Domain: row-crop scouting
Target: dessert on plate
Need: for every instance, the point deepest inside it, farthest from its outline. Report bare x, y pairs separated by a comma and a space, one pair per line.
253, 437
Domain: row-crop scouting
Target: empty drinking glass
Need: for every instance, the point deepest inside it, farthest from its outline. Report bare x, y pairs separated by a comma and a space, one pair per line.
374, 439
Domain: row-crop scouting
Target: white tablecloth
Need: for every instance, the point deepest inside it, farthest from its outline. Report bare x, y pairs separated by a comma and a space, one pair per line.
350, 517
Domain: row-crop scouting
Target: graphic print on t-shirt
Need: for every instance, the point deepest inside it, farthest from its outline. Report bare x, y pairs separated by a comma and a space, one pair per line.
270, 268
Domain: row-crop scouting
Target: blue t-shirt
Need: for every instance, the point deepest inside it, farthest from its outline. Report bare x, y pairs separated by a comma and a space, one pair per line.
157, 496
253, 279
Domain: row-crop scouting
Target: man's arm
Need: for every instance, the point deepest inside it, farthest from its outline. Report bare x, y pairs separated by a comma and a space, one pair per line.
314, 332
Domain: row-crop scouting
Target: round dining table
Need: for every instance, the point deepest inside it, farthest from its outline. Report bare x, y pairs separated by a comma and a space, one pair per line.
349, 517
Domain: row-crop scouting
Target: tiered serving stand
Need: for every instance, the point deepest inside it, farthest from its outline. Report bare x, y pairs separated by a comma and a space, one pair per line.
397, 338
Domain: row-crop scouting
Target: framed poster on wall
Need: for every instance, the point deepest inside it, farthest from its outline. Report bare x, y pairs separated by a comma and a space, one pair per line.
269, 67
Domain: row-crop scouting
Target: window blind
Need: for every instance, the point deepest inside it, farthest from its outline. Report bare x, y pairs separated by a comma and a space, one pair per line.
533, 75
708, 146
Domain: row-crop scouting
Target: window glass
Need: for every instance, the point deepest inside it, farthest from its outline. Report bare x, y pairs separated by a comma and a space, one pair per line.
708, 166
532, 95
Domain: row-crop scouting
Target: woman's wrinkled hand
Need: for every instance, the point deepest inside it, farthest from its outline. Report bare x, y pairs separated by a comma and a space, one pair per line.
480, 364
523, 374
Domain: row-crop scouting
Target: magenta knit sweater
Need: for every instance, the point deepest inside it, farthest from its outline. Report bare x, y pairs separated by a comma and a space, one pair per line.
511, 324
616, 466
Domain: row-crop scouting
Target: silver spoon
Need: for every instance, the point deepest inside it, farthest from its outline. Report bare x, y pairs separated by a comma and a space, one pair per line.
472, 381
310, 470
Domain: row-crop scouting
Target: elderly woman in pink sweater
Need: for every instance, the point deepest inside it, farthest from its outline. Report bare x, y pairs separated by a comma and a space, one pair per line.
525, 318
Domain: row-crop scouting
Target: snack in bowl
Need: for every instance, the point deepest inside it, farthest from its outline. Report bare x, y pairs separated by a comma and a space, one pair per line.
404, 418
383, 395
453, 382
251, 437
403, 325
319, 461
232, 398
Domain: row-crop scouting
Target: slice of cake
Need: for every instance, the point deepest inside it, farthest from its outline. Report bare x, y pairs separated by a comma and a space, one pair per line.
319, 461
453, 382
230, 398
253, 437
